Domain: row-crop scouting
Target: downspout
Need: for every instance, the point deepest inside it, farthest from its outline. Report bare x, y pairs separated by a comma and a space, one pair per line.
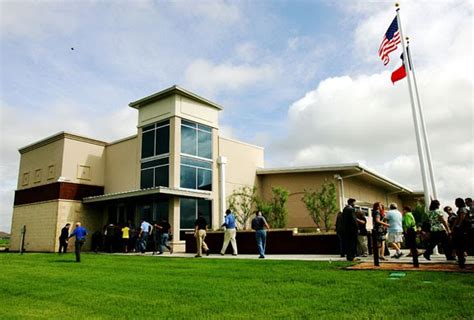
221, 161
341, 182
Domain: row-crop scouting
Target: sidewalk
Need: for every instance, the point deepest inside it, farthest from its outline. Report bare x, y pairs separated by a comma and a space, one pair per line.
435, 259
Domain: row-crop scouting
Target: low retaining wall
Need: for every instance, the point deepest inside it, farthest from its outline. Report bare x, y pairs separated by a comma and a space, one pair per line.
278, 242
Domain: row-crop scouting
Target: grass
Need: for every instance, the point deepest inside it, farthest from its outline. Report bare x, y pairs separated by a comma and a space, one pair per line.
119, 287
4, 242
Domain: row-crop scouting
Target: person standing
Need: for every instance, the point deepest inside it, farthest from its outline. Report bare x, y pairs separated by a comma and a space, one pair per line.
379, 228
340, 234
164, 230
145, 230
350, 229
259, 223
80, 233
125, 238
63, 238
362, 247
470, 225
439, 231
461, 231
229, 233
409, 231
395, 230
200, 231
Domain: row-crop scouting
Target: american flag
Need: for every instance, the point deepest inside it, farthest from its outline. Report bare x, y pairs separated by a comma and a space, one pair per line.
390, 41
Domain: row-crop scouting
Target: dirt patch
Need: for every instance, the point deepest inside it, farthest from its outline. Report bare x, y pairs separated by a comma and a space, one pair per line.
409, 267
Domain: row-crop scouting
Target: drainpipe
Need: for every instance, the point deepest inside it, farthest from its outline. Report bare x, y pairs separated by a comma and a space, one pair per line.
341, 182
221, 161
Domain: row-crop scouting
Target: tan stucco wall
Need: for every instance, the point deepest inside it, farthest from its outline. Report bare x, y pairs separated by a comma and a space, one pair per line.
41, 166
156, 111
197, 112
177, 105
45, 220
83, 162
243, 160
364, 192
40, 220
74, 211
122, 166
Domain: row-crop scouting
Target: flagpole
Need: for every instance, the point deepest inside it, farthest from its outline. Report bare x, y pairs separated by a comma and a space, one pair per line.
423, 127
421, 156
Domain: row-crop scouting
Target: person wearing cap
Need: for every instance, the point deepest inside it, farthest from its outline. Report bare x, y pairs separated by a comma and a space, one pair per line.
350, 230
80, 233
63, 238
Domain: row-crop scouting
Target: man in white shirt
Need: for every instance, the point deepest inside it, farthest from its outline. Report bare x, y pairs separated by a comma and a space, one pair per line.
395, 230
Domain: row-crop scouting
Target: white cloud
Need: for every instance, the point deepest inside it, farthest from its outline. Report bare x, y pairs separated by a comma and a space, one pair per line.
363, 116
211, 78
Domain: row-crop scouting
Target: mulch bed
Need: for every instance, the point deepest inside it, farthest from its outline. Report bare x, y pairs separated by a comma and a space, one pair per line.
409, 267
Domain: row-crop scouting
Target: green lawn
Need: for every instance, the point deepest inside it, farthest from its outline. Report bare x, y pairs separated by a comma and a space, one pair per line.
118, 287
4, 242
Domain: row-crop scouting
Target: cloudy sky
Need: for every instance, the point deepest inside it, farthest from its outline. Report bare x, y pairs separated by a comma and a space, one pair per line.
301, 78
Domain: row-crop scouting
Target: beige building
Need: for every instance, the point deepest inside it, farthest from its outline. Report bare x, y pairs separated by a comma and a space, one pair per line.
174, 167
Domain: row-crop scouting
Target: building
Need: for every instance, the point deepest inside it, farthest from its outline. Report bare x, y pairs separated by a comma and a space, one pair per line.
175, 166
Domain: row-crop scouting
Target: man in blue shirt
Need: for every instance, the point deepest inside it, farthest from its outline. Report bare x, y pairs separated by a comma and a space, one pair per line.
229, 233
80, 234
145, 229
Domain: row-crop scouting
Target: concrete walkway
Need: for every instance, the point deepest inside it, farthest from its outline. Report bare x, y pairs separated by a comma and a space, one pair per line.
302, 257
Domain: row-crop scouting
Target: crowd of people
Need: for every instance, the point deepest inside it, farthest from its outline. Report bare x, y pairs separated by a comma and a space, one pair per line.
124, 238
452, 231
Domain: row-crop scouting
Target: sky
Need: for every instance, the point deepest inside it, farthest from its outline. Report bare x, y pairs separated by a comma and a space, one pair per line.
300, 78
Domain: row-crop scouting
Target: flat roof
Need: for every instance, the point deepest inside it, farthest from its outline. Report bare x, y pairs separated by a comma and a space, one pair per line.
170, 91
350, 168
149, 191
59, 136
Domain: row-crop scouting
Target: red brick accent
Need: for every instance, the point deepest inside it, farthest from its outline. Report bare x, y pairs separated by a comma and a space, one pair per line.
56, 190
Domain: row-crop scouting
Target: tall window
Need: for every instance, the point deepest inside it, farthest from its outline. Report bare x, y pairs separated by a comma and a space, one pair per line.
196, 156
155, 155
189, 211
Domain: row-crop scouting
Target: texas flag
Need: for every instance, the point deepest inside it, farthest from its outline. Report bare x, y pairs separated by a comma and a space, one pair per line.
401, 72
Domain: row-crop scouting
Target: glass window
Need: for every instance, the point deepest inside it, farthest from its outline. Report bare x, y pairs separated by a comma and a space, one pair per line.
155, 173
204, 180
154, 163
196, 163
148, 142
188, 177
155, 139
162, 140
189, 210
196, 139
187, 213
188, 140
146, 179
204, 145
162, 176
205, 207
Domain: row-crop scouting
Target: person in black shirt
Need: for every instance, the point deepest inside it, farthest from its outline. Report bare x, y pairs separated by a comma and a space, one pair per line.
350, 229
63, 238
200, 230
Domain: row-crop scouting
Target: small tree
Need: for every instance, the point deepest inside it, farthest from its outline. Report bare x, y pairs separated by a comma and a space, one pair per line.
279, 213
321, 205
310, 199
241, 202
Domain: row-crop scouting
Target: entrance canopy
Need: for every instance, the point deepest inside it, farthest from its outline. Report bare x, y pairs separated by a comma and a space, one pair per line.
199, 194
